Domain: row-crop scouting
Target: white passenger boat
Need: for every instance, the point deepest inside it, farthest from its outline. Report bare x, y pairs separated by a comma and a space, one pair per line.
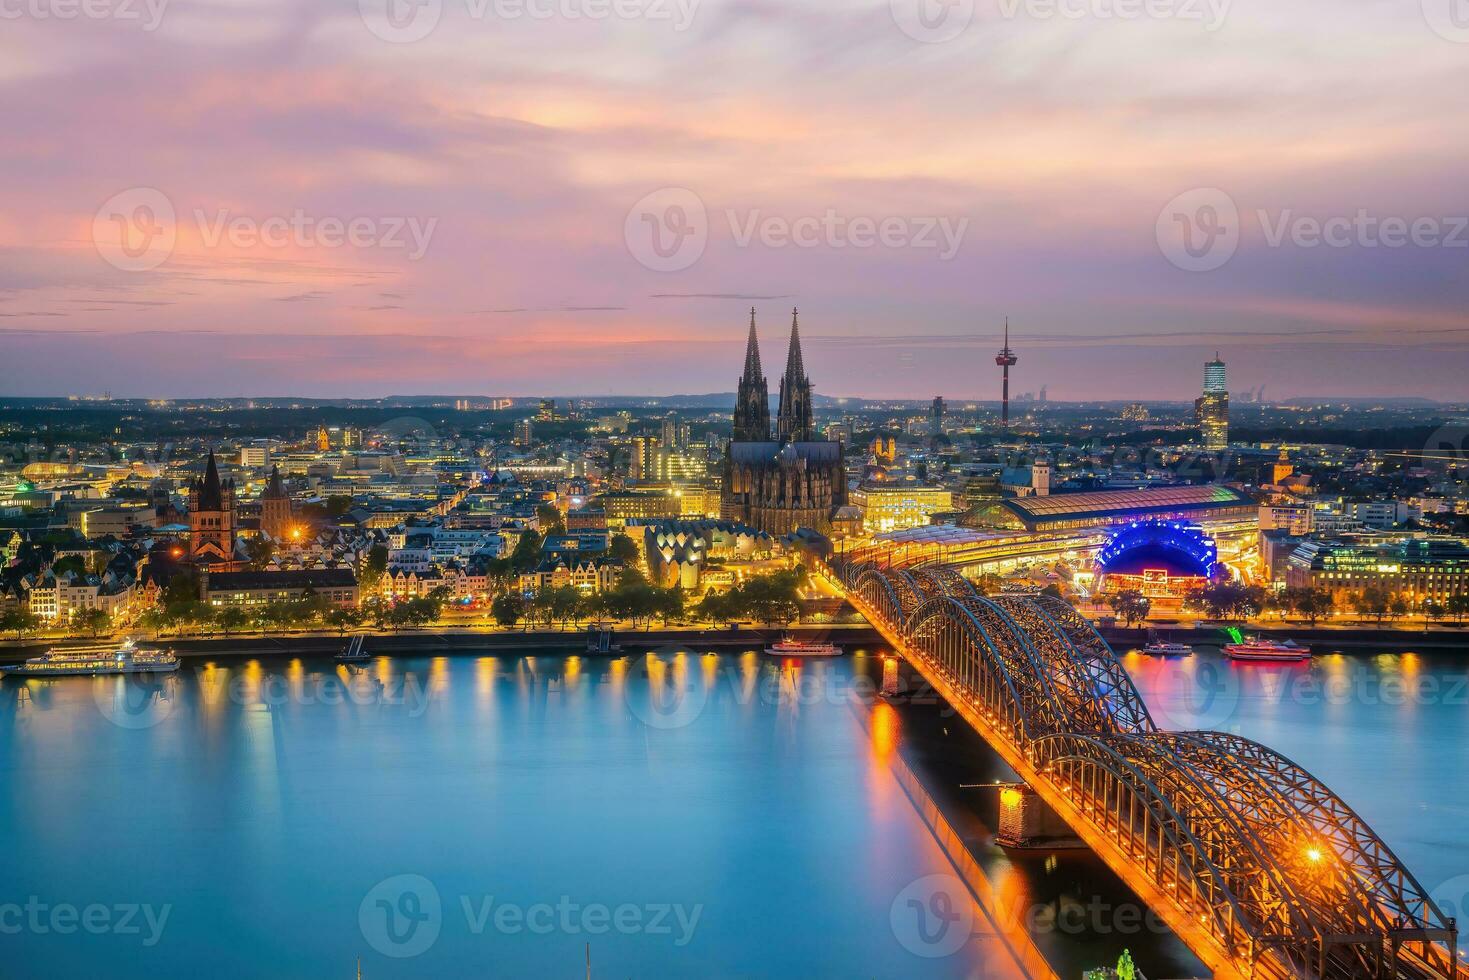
790, 647
129, 658
1158, 648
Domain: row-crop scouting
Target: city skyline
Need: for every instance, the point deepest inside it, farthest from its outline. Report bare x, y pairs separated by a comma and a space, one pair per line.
1026, 165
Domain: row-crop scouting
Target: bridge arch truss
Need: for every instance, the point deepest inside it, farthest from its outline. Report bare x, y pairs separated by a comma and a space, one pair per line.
1286, 879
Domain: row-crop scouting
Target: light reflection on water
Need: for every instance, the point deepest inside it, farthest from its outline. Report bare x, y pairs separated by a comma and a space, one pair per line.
264, 801
1387, 733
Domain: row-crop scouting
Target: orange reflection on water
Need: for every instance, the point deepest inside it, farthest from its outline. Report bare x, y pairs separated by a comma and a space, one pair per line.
885, 727
484, 680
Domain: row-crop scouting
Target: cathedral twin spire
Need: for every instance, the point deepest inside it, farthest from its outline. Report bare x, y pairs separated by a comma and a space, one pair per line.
752, 402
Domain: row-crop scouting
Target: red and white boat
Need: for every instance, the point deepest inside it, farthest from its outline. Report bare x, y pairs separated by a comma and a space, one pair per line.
1287, 651
790, 647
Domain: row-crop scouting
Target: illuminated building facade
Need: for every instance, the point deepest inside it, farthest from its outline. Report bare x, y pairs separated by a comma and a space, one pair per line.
1421, 570
792, 481
275, 508
893, 507
1160, 559
212, 517
1212, 407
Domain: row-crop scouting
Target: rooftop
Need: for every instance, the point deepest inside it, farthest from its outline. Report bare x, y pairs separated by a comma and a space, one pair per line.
1124, 503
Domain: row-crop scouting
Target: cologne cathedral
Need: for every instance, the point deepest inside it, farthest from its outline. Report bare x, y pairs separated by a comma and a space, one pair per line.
788, 481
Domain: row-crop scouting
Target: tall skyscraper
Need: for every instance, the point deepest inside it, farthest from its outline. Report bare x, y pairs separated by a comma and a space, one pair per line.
936, 417
1212, 408
1006, 359
524, 432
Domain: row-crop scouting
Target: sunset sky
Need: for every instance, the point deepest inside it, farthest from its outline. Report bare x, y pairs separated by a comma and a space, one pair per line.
531, 153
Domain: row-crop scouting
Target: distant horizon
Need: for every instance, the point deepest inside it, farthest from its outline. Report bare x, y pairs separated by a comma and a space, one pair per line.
718, 400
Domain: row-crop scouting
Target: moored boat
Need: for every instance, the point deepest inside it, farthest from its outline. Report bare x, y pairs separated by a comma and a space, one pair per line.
789, 647
127, 658
1160, 648
1287, 651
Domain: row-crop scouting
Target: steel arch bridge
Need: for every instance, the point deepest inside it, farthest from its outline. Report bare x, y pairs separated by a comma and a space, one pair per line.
1256, 864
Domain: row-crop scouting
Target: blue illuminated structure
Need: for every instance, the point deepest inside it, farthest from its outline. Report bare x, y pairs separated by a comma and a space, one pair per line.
1179, 546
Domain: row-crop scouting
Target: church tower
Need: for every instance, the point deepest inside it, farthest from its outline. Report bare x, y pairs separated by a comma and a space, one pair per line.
275, 508
212, 517
752, 403
794, 423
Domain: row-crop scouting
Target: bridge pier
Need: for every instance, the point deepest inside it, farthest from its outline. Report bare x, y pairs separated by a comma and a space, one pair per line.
1027, 822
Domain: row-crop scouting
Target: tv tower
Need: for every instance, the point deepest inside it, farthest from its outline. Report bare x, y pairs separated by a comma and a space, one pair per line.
1006, 359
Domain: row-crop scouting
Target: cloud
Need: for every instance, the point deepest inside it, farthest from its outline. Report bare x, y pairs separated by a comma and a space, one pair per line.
528, 142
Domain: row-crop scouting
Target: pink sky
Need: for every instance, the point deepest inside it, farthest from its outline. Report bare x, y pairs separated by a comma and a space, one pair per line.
525, 144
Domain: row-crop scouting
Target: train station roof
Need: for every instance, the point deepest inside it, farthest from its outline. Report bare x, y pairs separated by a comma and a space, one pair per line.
1120, 504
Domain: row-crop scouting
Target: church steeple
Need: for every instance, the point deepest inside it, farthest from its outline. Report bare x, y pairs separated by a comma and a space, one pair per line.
752, 401
794, 423
211, 493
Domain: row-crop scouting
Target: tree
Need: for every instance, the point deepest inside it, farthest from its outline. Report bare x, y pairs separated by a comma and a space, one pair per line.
378, 610
550, 520
623, 549
527, 553
1435, 611
231, 618
771, 599
1458, 607
261, 551
181, 588
1373, 601
1399, 606
374, 567
668, 604
1227, 600
500, 573
565, 601
507, 608
345, 618
1314, 604
93, 621
1131, 605
716, 607
18, 621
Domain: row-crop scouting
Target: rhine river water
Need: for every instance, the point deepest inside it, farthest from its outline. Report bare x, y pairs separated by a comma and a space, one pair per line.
681, 815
